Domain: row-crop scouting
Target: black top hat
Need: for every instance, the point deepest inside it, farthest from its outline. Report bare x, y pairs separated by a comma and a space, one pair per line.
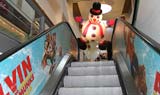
96, 9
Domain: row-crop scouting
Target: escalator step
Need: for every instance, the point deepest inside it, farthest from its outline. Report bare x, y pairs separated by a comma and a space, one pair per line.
98, 63
92, 81
91, 91
84, 71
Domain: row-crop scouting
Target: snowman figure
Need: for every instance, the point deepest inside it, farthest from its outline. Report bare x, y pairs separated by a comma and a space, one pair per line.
93, 33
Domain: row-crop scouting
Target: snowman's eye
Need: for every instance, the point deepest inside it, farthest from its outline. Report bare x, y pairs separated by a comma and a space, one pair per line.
97, 16
91, 15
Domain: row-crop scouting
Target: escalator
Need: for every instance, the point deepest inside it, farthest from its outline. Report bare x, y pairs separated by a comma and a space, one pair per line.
123, 75
29, 69
107, 77
91, 78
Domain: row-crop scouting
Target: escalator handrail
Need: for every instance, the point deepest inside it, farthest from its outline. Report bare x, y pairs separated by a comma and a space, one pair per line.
53, 82
15, 49
155, 45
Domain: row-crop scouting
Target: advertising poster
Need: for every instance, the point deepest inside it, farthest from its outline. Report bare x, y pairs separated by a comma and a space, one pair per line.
149, 68
141, 59
27, 71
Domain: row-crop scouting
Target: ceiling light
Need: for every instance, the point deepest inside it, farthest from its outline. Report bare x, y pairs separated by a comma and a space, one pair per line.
106, 8
3, 22
12, 28
1, 53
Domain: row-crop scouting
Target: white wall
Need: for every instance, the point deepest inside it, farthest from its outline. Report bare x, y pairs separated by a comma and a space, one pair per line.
148, 18
67, 10
49, 10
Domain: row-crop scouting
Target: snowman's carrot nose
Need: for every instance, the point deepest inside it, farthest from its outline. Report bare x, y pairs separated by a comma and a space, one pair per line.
94, 20
93, 35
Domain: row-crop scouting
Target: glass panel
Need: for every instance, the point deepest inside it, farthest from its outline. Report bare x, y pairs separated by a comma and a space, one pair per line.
16, 18
23, 8
20, 13
12, 31
28, 10
31, 66
46, 26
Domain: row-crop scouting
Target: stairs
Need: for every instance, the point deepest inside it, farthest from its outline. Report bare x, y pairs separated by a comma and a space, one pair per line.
91, 78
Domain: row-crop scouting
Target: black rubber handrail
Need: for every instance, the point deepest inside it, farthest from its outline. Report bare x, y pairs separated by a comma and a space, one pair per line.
53, 82
135, 11
15, 49
155, 45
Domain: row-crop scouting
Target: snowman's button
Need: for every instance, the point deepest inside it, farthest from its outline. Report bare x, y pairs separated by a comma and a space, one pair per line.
94, 27
89, 46
102, 36
87, 41
93, 35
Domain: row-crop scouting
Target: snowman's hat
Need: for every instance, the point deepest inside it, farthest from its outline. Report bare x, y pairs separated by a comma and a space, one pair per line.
96, 9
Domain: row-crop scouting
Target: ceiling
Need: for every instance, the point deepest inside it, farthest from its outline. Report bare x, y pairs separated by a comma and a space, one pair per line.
83, 7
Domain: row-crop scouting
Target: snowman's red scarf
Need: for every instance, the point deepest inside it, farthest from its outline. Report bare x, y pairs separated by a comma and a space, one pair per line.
100, 28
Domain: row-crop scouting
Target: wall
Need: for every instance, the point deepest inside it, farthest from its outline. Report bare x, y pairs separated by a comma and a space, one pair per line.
117, 8
48, 9
148, 18
69, 17
129, 16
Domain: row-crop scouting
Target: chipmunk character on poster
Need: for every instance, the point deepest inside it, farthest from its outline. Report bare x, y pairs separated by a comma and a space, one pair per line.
93, 32
49, 52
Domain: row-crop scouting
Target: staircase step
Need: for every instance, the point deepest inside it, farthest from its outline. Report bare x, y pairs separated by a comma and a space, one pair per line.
84, 71
92, 81
98, 63
91, 91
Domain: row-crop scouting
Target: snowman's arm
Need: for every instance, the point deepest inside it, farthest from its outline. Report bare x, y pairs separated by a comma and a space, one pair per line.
79, 19
110, 22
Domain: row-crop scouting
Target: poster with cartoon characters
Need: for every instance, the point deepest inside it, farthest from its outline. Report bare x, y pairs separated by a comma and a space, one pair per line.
141, 59
27, 71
